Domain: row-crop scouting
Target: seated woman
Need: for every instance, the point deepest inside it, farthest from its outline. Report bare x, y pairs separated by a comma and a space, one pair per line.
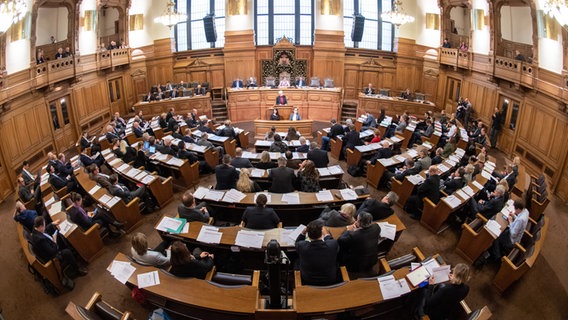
275, 115
158, 257
123, 151
265, 162
269, 136
308, 176
376, 136
185, 264
278, 145
245, 184
260, 217
292, 134
440, 300
341, 218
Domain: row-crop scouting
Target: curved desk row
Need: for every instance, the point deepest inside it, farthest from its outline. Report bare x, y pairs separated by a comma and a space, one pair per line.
375, 103
182, 105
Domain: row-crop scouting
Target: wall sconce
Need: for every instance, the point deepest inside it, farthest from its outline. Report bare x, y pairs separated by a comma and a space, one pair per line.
237, 7
432, 21
136, 22
330, 7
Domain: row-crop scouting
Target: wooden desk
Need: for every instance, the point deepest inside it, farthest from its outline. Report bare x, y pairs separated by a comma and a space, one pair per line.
196, 297
327, 179
354, 156
182, 105
313, 103
476, 239
261, 127
307, 210
184, 173
374, 104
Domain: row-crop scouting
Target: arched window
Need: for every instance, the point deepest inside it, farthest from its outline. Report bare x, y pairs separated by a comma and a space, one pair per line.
274, 19
377, 34
190, 35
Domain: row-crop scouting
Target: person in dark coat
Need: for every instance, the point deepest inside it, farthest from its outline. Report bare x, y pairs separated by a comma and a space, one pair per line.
260, 217
379, 209
226, 174
283, 178
358, 246
430, 189
318, 156
185, 264
318, 256
189, 211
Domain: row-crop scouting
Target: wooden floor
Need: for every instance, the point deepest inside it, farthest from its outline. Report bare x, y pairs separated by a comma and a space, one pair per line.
540, 294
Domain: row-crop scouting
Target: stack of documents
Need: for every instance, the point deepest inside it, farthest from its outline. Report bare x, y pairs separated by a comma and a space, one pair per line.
200, 193
172, 225
121, 270
209, 234
391, 288
324, 195
387, 230
233, 196
291, 198
348, 194
249, 239
148, 279
493, 227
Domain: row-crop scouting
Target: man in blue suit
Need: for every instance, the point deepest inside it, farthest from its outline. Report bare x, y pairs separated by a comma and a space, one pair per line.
295, 115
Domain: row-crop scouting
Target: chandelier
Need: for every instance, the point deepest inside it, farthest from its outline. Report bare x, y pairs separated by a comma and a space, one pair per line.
11, 11
170, 17
557, 9
397, 16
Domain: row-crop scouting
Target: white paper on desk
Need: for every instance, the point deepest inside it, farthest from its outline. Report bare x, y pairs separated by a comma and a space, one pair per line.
132, 173
400, 158
395, 139
105, 151
94, 189
49, 201
200, 192
415, 179
296, 232
140, 176
55, 208
114, 161
430, 264
268, 196
391, 288
477, 185
493, 227
414, 265
324, 172
335, 169
112, 202
105, 198
291, 198
233, 196
175, 162
386, 162
468, 190
441, 274
148, 279
454, 158
387, 230
451, 162
257, 173
123, 167
348, 194
324, 195
214, 195
452, 201
462, 194
249, 155
442, 167
122, 271
412, 153
209, 235
486, 174
249, 239
168, 223
64, 227
148, 179
185, 228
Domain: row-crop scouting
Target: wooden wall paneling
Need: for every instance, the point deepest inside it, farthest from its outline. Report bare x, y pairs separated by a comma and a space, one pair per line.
329, 55
6, 183
239, 56
351, 82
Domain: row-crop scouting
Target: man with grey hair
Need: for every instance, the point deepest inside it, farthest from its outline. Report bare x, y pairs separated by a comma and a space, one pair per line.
318, 156
282, 177
490, 207
379, 209
303, 145
358, 246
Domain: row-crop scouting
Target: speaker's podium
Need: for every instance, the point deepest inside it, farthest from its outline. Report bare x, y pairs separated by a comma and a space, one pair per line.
284, 110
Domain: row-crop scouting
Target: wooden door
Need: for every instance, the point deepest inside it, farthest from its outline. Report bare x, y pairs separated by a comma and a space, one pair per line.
510, 110
6, 186
452, 96
116, 95
64, 133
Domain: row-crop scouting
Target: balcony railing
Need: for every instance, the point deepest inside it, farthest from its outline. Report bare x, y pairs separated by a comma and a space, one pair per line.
449, 56
120, 56
508, 69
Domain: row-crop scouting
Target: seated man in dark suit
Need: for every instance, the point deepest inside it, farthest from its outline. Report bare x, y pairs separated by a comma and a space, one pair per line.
121, 191
335, 131
260, 217
379, 209
369, 122
28, 176
59, 182
96, 175
24, 192
199, 91
318, 256
369, 89
226, 174
189, 211
351, 139
25, 216
203, 127
292, 163
358, 246
166, 147
227, 131
64, 167
318, 156
183, 153
382, 153
301, 82
46, 247
86, 220
455, 181
239, 161
490, 207
437, 159
137, 130
283, 178
303, 146
430, 189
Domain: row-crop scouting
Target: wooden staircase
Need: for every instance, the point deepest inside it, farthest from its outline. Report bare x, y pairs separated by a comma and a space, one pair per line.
349, 110
219, 110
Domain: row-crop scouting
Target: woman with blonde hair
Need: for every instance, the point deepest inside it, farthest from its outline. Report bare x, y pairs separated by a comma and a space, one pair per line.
245, 184
308, 176
341, 218
265, 162
440, 300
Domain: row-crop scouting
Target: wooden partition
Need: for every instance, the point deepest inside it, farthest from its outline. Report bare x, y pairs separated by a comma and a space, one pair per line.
182, 105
